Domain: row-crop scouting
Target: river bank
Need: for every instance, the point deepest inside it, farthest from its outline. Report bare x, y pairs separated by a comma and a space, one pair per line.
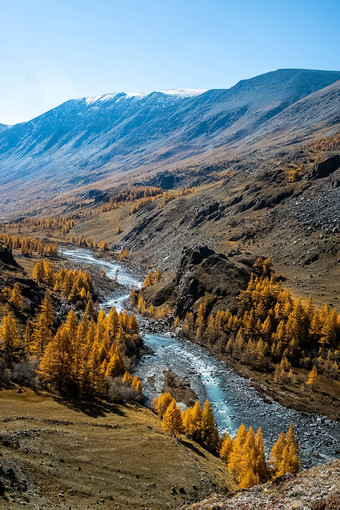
233, 397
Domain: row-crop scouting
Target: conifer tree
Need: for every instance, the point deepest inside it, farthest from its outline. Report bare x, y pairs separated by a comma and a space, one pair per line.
38, 271
200, 320
137, 385
90, 311
47, 310
262, 469
312, 378
187, 421
209, 432
172, 419
115, 366
276, 452
9, 338
161, 403
247, 471
16, 298
226, 448
127, 379
42, 333
235, 456
196, 422
56, 364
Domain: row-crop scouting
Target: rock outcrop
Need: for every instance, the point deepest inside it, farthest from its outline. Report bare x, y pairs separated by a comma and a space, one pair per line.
202, 271
326, 168
315, 489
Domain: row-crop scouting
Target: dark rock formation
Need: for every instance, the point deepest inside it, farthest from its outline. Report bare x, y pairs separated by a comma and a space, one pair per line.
325, 168
211, 212
203, 271
6, 258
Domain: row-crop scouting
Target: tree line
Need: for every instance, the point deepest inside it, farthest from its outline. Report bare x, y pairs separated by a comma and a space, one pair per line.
79, 356
75, 284
244, 454
270, 329
29, 245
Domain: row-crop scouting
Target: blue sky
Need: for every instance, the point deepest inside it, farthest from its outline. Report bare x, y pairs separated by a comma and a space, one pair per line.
53, 50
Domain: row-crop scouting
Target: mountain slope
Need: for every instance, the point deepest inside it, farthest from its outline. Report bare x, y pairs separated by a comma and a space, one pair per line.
318, 110
91, 139
315, 489
118, 456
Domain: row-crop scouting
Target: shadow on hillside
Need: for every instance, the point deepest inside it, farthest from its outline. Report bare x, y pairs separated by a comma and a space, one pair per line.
192, 447
94, 408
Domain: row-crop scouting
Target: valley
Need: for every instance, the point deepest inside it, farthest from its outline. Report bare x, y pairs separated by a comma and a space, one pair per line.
233, 399
176, 249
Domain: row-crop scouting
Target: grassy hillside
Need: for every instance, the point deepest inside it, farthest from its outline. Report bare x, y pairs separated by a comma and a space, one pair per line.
119, 456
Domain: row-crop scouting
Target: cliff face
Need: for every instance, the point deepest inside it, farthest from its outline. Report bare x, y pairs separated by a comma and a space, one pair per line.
315, 489
7, 261
201, 272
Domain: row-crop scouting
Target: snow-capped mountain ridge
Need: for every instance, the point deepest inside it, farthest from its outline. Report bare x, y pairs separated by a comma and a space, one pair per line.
84, 140
180, 93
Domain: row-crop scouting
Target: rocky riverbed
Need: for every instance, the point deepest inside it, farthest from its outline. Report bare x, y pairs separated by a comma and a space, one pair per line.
233, 398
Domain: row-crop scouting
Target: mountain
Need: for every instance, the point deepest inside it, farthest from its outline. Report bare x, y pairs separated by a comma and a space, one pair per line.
88, 140
3, 127
318, 110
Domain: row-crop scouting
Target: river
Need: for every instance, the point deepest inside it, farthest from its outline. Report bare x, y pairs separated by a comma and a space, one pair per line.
231, 396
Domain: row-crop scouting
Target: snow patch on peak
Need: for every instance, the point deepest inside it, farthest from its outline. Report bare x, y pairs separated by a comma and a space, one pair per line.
184, 92
108, 97
90, 100
140, 95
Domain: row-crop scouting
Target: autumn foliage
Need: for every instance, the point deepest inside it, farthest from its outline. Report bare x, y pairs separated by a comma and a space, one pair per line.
73, 284
244, 454
29, 245
271, 329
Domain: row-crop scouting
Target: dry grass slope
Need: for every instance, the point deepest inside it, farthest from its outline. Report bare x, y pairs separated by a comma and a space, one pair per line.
77, 458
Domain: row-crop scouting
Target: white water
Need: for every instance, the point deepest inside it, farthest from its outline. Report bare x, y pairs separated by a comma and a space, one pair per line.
232, 397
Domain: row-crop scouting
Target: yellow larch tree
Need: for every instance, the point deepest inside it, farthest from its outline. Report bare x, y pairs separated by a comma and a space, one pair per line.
312, 378
235, 456
161, 403
248, 476
261, 463
16, 298
136, 384
9, 338
226, 448
172, 419
209, 432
